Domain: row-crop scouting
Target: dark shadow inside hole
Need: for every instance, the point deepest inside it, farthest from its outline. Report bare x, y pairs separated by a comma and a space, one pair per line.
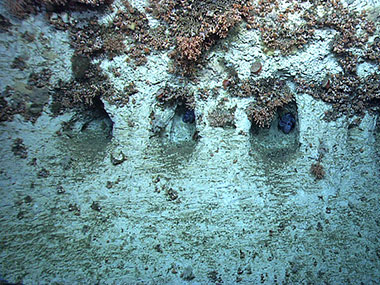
182, 127
280, 141
85, 137
177, 141
98, 113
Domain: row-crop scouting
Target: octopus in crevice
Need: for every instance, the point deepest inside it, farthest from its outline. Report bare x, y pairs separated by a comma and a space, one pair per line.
287, 123
188, 116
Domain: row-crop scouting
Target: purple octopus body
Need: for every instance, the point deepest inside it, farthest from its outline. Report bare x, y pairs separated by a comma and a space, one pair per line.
189, 117
287, 123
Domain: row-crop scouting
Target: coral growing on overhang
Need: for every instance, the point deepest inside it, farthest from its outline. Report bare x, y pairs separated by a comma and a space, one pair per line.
196, 26
270, 94
22, 8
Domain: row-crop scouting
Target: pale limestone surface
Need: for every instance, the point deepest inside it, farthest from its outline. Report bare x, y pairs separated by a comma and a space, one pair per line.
247, 205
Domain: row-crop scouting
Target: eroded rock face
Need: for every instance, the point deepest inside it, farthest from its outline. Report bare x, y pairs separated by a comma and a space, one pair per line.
174, 180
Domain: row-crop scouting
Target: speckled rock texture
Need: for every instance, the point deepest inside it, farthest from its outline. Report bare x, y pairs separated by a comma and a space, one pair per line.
161, 201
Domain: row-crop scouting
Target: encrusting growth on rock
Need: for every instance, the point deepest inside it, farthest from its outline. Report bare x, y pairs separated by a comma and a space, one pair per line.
191, 28
22, 8
317, 170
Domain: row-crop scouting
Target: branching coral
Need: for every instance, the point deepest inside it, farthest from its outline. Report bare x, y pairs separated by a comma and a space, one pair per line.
348, 94
84, 92
278, 32
172, 95
95, 39
190, 48
317, 170
197, 26
6, 111
373, 51
271, 18
270, 94
191, 28
222, 116
22, 8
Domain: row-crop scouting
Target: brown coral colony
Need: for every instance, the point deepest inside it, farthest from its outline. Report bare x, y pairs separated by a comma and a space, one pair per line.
317, 170
191, 28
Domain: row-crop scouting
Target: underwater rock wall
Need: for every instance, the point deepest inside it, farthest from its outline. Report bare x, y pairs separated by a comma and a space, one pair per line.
132, 158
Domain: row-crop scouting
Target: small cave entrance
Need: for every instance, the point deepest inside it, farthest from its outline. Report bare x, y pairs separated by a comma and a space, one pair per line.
95, 120
280, 141
174, 124
182, 127
85, 137
175, 134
